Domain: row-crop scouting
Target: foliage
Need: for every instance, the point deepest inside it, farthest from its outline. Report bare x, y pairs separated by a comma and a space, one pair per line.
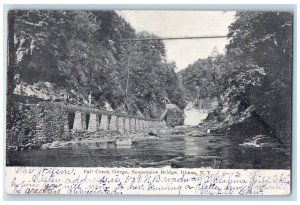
264, 44
201, 78
258, 65
253, 78
80, 52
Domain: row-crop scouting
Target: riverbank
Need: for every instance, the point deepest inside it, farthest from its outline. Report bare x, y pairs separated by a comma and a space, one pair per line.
73, 139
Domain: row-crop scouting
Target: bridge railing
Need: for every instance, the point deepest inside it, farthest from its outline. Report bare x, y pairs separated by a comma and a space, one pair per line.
89, 119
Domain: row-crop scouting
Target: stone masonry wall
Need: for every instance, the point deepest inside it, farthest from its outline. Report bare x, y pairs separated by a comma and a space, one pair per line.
31, 122
44, 122
52, 122
21, 124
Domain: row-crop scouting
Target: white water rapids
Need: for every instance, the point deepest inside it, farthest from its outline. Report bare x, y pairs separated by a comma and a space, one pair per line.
194, 116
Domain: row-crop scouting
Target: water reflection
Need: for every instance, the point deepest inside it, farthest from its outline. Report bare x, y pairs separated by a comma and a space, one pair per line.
195, 146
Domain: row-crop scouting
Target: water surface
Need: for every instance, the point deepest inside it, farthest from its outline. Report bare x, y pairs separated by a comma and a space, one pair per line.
176, 151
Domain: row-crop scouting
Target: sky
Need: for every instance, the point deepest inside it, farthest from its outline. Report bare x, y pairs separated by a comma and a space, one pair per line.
181, 24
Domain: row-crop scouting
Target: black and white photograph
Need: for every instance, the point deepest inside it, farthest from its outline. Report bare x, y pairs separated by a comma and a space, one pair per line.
149, 89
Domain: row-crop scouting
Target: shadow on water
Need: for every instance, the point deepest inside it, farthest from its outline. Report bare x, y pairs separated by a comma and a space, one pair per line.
174, 151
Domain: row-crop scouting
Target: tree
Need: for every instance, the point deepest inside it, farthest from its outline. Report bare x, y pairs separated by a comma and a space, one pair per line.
80, 51
202, 77
258, 65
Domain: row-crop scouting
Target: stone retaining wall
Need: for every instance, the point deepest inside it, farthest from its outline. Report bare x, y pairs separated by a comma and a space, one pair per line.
47, 122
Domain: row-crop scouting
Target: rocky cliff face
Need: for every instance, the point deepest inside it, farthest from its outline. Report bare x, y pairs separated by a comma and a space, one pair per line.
240, 118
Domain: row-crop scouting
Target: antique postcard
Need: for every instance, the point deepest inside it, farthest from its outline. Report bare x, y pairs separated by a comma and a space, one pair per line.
111, 102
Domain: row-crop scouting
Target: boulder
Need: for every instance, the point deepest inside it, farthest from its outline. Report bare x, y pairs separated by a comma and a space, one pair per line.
123, 142
173, 116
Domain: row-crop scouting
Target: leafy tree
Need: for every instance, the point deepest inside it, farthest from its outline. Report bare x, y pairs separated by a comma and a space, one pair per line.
253, 78
201, 79
258, 65
81, 51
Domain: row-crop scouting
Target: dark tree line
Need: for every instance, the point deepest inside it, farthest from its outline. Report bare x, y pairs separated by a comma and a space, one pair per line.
80, 51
